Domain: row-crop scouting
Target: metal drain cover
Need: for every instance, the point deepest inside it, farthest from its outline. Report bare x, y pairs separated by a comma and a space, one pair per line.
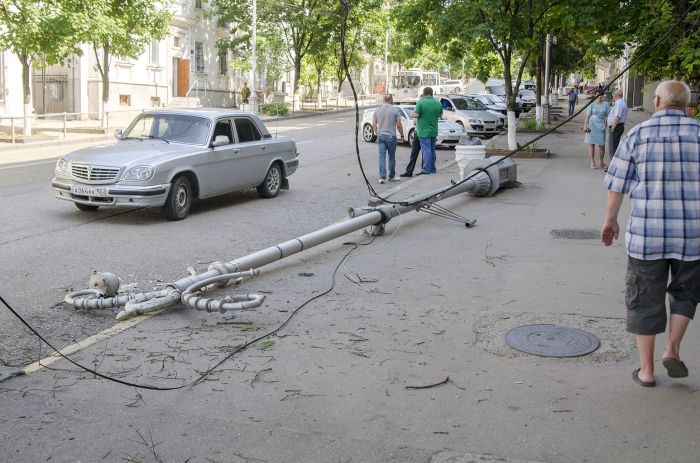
552, 340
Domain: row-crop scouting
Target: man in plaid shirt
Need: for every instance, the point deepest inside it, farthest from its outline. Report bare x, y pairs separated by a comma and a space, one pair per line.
658, 164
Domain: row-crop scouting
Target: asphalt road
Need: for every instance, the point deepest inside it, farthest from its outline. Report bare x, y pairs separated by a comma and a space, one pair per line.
48, 247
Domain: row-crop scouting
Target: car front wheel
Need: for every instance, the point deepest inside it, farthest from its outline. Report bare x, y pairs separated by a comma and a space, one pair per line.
411, 136
457, 90
177, 206
368, 133
272, 183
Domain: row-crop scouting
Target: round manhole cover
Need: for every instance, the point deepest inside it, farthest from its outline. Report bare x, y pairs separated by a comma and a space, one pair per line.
551, 340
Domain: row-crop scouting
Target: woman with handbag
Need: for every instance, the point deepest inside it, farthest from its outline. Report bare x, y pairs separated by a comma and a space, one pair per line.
594, 127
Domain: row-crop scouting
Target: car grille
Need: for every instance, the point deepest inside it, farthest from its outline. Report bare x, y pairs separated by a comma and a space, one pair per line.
94, 173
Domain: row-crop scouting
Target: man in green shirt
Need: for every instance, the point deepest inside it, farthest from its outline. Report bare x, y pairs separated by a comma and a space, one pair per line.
428, 111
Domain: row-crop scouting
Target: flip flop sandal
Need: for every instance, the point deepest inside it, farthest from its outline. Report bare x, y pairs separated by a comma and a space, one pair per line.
675, 368
635, 377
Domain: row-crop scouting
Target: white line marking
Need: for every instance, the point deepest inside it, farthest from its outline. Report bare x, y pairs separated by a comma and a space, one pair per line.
305, 141
29, 164
73, 348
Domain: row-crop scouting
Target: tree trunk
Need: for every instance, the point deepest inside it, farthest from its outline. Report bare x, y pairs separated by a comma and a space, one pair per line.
26, 75
318, 84
297, 72
105, 83
510, 100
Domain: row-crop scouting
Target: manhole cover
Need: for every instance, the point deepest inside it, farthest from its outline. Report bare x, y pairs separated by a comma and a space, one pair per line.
551, 340
575, 234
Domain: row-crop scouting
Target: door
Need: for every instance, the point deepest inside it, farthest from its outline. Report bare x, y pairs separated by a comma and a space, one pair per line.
220, 170
183, 77
255, 153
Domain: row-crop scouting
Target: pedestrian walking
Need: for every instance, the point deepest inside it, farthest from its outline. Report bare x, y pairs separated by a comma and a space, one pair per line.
616, 122
385, 122
594, 128
427, 112
658, 164
573, 98
415, 149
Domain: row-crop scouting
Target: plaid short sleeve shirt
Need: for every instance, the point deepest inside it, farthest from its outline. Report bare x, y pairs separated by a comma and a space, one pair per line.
658, 164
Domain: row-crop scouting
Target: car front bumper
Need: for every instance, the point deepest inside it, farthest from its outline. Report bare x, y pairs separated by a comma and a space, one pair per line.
111, 194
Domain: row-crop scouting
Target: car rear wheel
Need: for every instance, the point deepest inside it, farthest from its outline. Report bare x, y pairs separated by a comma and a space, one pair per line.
86, 207
272, 183
177, 206
457, 90
368, 133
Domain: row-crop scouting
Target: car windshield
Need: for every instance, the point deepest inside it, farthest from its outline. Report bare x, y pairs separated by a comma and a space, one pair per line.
465, 104
528, 93
484, 99
409, 111
180, 128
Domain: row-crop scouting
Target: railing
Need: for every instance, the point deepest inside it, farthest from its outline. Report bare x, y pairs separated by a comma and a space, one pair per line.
59, 122
196, 87
90, 122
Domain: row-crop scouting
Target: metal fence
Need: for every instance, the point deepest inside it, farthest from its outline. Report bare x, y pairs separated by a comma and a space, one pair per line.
12, 127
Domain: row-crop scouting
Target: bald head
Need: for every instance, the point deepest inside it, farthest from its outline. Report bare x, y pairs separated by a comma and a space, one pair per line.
388, 98
671, 94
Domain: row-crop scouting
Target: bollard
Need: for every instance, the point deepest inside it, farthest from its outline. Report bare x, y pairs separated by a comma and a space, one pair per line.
12, 123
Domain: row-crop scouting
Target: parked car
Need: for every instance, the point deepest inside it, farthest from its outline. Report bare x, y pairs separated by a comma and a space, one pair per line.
528, 99
452, 86
491, 102
448, 132
500, 91
166, 158
475, 118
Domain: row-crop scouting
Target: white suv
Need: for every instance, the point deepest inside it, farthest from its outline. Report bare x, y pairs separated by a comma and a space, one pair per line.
452, 86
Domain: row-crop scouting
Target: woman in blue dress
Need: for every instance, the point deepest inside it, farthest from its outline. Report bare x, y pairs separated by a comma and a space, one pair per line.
594, 127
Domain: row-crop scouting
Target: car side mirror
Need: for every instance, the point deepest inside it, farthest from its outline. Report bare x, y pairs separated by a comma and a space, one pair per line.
220, 140
119, 134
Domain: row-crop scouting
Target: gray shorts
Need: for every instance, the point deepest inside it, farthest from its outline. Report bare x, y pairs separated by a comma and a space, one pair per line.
647, 283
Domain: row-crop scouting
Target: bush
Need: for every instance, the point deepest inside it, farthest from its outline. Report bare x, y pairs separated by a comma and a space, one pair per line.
530, 124
274, 109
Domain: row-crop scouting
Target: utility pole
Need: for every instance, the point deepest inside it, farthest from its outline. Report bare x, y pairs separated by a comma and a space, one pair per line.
253, 61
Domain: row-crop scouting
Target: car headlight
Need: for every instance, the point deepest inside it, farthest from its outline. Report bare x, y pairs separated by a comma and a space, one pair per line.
474, 121
62, 168
138, 174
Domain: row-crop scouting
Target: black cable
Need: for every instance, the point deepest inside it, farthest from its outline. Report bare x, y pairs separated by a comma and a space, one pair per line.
210, 370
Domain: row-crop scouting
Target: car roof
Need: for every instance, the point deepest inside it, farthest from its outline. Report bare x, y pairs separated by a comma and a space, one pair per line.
210, 113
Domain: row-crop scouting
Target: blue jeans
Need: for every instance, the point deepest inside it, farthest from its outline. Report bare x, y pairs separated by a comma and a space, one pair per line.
386, 143
427, 146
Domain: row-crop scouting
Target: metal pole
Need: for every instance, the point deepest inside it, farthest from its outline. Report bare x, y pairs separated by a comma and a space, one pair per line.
545, 106
65, 130
386, 61
253, 59
12, 124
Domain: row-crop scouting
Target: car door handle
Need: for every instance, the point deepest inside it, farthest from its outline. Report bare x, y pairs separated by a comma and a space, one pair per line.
264, 148
236, 151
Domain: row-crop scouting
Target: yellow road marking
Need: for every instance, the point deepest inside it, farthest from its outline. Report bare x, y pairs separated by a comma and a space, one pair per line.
73, 348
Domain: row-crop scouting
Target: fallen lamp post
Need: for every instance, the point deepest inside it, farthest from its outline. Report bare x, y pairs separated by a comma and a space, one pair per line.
103, 293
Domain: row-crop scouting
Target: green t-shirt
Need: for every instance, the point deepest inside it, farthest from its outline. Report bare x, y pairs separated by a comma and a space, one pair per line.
429, 111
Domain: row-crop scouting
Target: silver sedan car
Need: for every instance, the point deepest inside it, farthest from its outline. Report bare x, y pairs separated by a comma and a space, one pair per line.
166, 158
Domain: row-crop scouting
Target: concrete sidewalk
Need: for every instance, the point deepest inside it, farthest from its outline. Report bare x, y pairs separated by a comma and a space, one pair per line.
404, 360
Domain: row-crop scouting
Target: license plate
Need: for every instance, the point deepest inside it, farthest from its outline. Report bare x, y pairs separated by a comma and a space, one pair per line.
82, 190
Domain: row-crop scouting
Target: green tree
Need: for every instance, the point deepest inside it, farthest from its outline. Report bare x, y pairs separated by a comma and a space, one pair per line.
122, 28
44, 32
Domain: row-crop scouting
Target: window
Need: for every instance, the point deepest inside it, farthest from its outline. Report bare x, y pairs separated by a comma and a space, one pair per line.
153, 53
198, 57
246, 130
223, 63
177, 42
223, 127
155, 101
125, 100
198, 4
